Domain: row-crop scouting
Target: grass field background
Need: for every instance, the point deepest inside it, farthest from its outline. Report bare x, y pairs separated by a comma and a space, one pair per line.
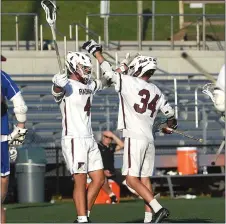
121, 28
200, 210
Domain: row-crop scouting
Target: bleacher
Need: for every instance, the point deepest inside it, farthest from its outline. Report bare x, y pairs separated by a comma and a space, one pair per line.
44, 118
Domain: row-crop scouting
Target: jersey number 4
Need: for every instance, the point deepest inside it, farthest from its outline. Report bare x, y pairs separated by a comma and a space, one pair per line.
87, 106
141, 108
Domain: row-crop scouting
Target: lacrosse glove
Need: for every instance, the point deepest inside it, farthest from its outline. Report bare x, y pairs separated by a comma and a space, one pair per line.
17, 136
172, 123
92, 47
60, 80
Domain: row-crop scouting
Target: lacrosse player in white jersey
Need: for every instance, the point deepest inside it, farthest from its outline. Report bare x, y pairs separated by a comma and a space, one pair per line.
74, 95
217, 92
140, 102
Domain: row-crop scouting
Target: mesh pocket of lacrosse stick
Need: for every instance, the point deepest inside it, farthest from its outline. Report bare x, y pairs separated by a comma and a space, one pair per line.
208, 90
50, 10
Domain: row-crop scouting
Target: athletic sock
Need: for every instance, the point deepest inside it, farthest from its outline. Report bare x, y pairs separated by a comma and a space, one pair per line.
155, 205
82, 219
147, 216
111, 194
88, 214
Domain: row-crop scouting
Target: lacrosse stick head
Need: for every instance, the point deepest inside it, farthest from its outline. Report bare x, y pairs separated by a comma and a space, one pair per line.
50, 10
208, 90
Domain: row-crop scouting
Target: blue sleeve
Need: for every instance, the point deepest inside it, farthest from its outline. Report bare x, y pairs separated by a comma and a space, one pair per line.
9, 87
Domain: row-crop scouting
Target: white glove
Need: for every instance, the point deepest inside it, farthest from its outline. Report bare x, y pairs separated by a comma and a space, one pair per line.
92, 47
128, 59
12, 153
60, 80
17, 136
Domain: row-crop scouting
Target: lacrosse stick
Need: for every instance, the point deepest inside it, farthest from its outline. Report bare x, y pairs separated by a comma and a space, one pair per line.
185, 135
218, 153
161, 123
197, 67
50, 10
208, 90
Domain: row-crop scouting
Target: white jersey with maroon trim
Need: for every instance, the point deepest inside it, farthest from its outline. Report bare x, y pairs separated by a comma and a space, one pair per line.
139, 105
221, 79
75, 108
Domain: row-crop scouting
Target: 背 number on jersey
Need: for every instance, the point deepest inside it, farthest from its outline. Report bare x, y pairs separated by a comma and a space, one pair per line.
144, 105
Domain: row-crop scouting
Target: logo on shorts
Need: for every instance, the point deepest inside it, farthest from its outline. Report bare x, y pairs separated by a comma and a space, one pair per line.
81, 166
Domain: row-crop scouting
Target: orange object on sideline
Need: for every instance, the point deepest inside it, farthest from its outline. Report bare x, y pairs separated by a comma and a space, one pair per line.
103, 197
187, 160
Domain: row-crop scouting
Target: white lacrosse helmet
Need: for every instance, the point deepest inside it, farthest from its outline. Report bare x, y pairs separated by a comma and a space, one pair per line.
78, 62
142, 64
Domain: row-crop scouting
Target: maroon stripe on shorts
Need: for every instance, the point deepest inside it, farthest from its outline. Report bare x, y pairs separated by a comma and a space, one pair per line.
65, 119
129, 155
123, 110
72, 150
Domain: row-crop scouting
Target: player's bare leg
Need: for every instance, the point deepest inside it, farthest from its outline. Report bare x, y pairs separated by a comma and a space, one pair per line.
106, 187
109, 191
94, 187
148, 211
4, 189
147, 195
140, 188
79, 196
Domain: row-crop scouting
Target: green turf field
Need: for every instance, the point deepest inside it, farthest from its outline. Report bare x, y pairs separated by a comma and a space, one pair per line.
121, 28
202, 210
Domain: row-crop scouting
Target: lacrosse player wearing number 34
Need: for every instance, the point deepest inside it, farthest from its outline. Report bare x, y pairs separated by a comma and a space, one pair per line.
10, 91
139, 103
74, 93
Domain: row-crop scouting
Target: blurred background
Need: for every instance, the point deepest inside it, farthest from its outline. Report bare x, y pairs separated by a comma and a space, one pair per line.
164, 29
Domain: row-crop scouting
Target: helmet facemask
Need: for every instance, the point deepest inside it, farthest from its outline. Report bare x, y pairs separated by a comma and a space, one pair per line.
79, 64
84, 72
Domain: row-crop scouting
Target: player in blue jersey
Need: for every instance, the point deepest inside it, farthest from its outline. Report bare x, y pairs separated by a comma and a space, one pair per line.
10, 91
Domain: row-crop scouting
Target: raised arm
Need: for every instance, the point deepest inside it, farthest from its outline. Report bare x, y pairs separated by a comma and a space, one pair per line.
96, 50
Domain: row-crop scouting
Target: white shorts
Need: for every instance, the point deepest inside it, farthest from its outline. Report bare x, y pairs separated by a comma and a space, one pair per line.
81, 155
138, 158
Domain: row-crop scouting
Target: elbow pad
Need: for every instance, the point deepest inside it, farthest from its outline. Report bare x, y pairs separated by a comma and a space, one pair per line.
57, 96
20, 108
167, 110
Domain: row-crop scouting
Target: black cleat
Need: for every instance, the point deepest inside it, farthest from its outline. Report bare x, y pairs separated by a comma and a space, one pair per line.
76, 221
161, 215
114, 200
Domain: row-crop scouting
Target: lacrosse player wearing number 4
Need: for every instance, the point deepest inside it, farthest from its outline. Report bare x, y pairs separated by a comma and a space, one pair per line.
10, 91
139, 104
74, 93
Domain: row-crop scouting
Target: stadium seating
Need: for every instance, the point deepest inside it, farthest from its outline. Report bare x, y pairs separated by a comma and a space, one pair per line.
44, 118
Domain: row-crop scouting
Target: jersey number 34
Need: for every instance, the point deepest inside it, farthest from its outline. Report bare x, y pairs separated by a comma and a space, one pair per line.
144, 103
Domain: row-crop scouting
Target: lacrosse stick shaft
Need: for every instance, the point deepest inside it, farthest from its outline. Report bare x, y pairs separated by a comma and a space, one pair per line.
50, 11
218, 153
186, 135
198, 67
56, 49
